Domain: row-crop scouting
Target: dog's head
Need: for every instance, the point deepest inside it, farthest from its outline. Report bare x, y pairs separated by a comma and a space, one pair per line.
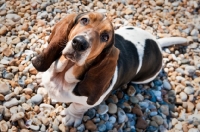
78, 37
87, 40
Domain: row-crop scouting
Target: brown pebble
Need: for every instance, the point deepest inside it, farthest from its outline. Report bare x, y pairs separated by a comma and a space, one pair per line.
63, 128
73, 130
37, 109
136, 110
141, 123
21, 68
3, 30
25, 27
33, 71
1, 97
90, 125
190, 107
185, 128
7, 52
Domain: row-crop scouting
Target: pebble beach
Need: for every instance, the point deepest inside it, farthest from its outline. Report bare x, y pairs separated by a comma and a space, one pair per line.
170, 103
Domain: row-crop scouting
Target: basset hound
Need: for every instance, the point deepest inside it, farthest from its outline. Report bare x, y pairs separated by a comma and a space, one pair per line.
86, 59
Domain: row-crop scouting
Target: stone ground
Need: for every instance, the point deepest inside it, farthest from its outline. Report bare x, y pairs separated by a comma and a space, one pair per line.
169, 103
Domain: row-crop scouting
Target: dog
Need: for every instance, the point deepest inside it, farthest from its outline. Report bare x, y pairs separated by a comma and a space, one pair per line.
86, 59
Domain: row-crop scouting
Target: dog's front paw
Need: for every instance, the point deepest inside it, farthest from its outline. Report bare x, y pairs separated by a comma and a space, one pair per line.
71, 118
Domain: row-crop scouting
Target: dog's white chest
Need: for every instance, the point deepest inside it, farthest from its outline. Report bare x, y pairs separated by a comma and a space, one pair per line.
60, 86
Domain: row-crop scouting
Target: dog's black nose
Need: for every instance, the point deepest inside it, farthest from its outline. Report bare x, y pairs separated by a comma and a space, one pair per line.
79, 43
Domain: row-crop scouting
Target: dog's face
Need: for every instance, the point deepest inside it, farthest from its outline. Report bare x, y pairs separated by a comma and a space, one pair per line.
79, 38
92, 33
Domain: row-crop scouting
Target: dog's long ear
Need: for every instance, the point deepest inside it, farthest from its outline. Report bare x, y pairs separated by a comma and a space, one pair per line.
57, 41
98, 78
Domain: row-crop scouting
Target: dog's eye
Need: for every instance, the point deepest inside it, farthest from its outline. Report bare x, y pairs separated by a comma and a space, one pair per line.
84, 21
104, 37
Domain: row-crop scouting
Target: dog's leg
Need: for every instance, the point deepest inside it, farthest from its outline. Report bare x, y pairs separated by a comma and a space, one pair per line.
74, 114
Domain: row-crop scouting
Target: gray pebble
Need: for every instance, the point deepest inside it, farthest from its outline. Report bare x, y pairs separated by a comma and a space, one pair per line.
37, 99
121, 115
165, 109
183, 96
190, 69
194, 32
8, 75
10, 103
189, 90
134, 100
144, 105
13, 17
166, 85
81, 128
102, 109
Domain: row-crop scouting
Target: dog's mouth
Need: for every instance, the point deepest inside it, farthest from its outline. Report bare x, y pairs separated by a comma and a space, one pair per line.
70, 56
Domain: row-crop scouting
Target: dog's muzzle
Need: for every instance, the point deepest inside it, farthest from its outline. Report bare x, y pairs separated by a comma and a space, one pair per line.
79, 43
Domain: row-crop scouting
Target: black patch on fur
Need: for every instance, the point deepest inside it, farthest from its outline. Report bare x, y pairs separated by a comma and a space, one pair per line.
130, 28
152, 61
128, 60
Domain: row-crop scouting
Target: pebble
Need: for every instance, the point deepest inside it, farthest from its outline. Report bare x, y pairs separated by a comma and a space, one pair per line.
131, 91
189, 90
183, 96
9, 96
35, 128
2, 98
158, 119
43, 128
121, 115
112, 108
90, 125
91, 113
179, 126
3, 126
37, 99
28, 91
81, 128
11, 102
198, 106
141, 123
101, 127
62, 128
193, 130
144, 105
166, 85
102, 109
13, 17
134, 100
194, 32
190, 106
112, 119
136, 110
190, 69
17, 116
3, 30
4, 88
174, 121
9, 76
164, 109
160, 2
